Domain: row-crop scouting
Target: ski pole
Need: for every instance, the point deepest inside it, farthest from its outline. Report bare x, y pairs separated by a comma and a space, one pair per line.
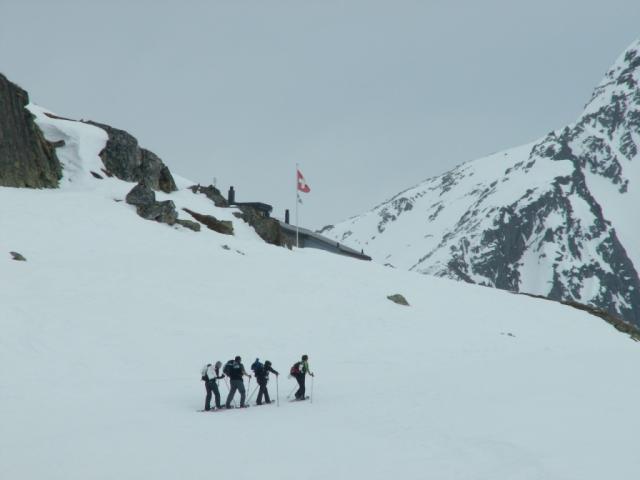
248, 388
251, 396
291, 392
277, 393
311, 395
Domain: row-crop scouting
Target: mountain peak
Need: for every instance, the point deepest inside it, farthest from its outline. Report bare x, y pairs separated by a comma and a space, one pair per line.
551, 218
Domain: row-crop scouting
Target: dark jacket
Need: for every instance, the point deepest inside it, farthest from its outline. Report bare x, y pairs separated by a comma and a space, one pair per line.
262, 373
236, 371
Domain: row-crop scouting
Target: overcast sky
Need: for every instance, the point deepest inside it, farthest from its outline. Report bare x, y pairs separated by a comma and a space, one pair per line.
369, 97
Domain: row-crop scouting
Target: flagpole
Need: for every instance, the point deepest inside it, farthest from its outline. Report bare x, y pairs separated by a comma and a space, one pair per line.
297, 202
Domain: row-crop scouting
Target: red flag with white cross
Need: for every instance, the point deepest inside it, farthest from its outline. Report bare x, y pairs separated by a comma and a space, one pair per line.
302, 183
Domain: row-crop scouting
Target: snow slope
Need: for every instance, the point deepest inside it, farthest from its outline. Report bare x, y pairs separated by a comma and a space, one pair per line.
106, 325
555, 217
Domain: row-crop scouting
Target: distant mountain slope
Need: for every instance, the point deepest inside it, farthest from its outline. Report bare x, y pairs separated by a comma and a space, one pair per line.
556, 217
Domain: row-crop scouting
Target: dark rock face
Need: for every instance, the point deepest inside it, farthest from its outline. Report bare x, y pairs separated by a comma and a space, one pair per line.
26, 158
212, 223
123, 157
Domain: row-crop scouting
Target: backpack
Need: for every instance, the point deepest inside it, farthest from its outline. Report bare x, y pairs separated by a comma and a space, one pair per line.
257, 366
295, 369
227, 368
203, 372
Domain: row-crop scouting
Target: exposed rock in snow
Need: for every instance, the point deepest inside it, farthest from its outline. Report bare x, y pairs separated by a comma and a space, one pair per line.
123, 157
17, 256
141, 194
163, 212
399, 299
195, 226
212, 223
212, 193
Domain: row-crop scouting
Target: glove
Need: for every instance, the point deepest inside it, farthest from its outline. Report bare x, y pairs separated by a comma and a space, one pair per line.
311, 374
220, 377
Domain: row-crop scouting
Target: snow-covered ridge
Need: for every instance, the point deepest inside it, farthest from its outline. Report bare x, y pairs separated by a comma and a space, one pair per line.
553, 218
79, 146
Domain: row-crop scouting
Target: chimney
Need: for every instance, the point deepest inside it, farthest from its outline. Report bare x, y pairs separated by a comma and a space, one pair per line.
286, 216
231, 198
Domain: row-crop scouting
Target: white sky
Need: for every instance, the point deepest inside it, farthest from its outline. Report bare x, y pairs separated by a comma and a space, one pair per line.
370, 97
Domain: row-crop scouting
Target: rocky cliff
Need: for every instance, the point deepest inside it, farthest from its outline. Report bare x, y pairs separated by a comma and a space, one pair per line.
123, 157
26, 158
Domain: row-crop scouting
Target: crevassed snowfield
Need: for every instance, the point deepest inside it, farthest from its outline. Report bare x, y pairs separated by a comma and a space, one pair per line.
106, 326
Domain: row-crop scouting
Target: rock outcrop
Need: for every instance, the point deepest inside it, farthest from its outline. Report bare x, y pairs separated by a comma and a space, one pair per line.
141, 194
163, 212
195, 226
26, 158
123, 158
212, 223
267, 228
212, 193
144, 199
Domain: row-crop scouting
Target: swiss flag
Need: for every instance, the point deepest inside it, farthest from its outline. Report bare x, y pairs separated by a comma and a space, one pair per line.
302, 184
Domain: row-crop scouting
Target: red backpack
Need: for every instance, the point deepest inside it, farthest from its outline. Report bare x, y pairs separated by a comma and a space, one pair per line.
295, 369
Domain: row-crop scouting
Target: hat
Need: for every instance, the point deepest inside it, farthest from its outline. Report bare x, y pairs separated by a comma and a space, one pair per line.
267, 362
218, 364
305, 357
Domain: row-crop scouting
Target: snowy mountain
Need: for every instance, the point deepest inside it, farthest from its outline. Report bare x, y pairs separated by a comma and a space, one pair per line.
107, 320
554, 218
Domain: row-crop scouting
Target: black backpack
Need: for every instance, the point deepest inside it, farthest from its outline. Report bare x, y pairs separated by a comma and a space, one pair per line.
227, 368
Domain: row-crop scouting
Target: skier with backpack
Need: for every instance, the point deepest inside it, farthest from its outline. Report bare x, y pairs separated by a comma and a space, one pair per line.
210, 376
299, 371
235, 371
261, 372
